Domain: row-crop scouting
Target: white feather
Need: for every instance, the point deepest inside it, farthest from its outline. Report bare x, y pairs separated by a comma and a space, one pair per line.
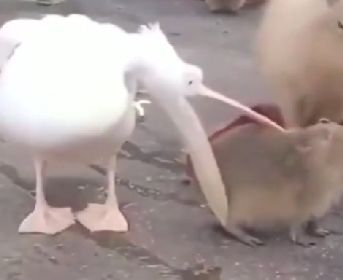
12, 33
61, 85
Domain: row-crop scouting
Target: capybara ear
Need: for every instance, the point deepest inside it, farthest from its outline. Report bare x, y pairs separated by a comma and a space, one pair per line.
324, 120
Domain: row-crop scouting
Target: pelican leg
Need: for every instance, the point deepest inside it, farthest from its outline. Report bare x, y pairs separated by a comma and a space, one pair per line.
45, 219
97, 217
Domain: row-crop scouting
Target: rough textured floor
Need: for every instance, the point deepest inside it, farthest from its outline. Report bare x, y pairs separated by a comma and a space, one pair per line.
171, 234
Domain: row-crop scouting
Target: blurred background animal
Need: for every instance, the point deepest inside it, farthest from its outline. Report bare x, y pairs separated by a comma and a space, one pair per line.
299, 49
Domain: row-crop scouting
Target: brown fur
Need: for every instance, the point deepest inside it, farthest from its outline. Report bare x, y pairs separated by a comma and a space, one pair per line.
275, 178
299, 47
268, 110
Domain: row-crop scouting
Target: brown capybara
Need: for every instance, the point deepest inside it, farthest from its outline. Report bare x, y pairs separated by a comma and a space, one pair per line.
280, 179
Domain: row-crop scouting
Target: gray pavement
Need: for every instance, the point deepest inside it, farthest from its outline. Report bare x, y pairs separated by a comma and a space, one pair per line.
172, 235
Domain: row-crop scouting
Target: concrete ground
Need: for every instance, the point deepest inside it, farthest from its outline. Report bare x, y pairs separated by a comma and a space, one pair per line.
172, 235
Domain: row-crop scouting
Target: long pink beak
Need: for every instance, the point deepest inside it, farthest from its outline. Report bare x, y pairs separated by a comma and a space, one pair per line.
205, 91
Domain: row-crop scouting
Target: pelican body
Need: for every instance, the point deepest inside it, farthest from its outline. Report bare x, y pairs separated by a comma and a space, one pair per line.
64, 99
67, 93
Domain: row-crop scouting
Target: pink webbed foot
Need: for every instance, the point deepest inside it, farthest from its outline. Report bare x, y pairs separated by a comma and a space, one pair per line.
97, 217
47, 220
